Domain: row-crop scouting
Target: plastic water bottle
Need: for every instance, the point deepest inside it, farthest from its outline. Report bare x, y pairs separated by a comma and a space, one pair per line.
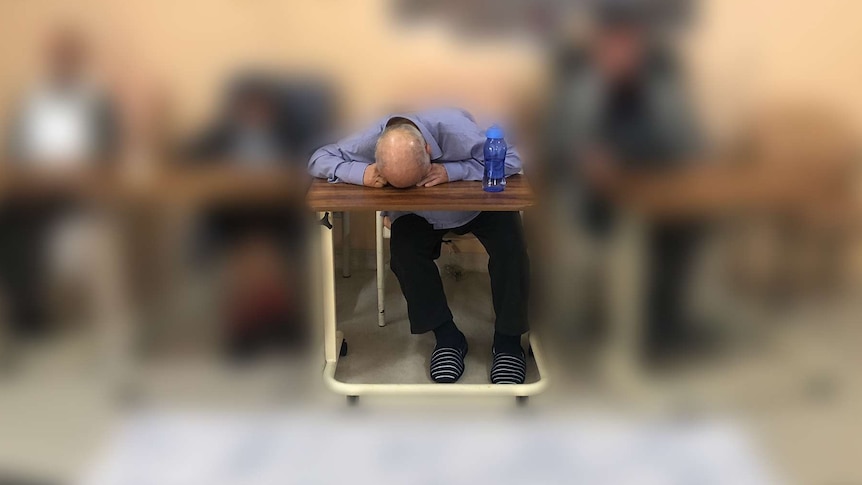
494, 179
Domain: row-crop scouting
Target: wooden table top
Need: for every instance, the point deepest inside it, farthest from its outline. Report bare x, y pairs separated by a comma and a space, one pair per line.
454, 196
162, 186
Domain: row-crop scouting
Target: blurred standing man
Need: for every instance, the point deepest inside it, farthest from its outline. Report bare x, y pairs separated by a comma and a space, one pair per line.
620, 108
422, 150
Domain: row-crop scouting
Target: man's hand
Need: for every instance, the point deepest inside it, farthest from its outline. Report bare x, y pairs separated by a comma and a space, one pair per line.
372, 177
436, 175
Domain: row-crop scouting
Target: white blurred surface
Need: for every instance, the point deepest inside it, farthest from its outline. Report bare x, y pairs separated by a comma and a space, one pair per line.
177, 448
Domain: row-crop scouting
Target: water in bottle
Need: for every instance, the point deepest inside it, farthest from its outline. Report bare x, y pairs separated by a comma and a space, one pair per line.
494, 179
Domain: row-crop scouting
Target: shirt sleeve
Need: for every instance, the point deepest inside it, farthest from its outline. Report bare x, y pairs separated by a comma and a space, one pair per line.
346, 160
474, 168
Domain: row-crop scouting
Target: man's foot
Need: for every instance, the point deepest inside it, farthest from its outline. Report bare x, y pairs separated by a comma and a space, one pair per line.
509, 365
447, 360
447, 363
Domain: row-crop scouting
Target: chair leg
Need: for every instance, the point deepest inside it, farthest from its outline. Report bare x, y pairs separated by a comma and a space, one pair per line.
381, 274
345, 245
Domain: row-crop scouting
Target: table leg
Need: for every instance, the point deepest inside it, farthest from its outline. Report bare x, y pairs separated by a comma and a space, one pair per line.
626, 304
381, 272
345, 245
112, 308
327, 267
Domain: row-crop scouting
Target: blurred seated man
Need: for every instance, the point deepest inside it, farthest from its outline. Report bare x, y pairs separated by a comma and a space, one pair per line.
65, 122
261, 241
621, 107
248, 132
423, 150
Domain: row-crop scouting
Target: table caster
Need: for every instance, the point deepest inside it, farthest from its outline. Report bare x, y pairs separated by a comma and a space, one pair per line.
352, 400
522, 400
343, 351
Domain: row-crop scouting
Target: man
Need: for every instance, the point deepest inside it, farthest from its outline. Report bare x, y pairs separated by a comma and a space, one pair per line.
423, 150
620, 110
65, 122
259, 242
248, 131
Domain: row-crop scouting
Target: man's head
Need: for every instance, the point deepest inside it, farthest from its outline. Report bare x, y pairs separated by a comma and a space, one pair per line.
402, 155
66, 55
254, 106
620, 41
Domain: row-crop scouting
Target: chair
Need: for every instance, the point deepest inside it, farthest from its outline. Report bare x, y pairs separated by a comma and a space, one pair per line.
381, 233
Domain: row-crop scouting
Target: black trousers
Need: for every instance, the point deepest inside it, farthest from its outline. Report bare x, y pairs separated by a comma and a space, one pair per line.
24, 230
671, 250
414, 246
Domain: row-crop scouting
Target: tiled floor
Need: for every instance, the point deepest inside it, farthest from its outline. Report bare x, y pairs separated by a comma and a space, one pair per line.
799, 392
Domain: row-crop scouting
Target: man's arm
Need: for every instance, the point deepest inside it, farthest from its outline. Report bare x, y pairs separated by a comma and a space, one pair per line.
346, 160
474, 168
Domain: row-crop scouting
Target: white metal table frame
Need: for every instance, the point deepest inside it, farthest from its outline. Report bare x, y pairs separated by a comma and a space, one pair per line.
333, 340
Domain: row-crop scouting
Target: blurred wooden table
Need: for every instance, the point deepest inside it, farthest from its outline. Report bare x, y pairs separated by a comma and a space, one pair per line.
166, 185
137, 205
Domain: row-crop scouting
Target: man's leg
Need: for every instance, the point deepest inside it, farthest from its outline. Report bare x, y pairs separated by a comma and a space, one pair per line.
509, 268
671, 251
414, 246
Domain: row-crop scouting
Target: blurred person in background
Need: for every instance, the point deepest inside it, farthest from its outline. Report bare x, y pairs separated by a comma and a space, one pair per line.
259, 242
249, 131
621, 105
65, 122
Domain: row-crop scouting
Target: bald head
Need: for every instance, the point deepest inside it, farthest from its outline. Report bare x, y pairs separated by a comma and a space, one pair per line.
402, 155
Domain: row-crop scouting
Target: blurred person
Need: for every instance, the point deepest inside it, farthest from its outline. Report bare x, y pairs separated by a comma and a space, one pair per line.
248, 131
67, 118
620, 106
65, 122
260, 242
425, 149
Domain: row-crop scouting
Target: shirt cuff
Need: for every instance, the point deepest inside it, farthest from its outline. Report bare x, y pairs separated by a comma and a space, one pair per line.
455, 171
351, 172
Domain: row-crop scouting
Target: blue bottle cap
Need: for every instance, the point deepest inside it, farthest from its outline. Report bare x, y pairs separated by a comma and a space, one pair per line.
494, 132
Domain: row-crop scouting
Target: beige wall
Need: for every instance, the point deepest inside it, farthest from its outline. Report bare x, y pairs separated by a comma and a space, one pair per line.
744, 54
190, 45
747, 54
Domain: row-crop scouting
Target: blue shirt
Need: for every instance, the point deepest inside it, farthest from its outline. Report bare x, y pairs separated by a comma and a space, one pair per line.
456, 142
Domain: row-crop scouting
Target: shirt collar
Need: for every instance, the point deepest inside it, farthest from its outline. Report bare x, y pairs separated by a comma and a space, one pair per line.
436, 152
